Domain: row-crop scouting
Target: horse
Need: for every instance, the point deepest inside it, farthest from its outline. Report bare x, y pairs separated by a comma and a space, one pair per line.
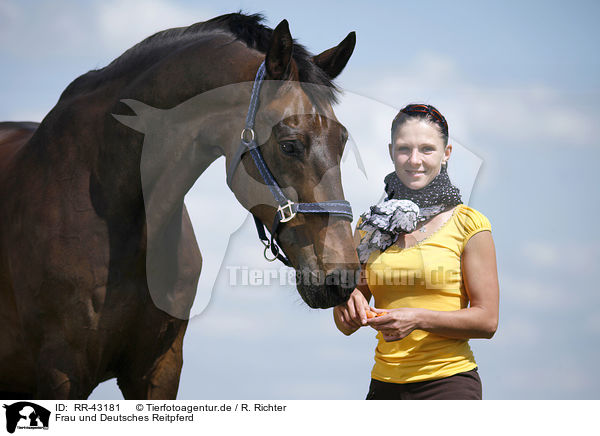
82, 210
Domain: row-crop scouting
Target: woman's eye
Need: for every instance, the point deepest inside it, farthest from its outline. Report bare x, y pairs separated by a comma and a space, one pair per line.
287, 147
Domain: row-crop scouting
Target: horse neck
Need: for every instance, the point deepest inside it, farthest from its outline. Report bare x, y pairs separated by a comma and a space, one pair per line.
81, 136
197, 129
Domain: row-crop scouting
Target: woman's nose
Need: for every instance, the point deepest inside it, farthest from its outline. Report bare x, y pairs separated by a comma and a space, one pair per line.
415, 158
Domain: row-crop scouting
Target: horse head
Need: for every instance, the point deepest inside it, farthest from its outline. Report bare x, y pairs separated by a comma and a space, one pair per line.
302, 143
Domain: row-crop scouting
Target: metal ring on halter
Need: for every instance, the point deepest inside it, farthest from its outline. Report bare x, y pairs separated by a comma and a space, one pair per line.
265, 254
243, 135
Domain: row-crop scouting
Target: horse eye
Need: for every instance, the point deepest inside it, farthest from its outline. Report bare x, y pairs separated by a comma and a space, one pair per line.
287, 147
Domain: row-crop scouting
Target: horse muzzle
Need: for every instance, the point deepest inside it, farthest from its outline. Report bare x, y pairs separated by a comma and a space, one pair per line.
321, 290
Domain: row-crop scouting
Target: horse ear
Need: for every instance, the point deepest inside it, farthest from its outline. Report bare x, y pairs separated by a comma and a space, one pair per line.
279, 54
334, 60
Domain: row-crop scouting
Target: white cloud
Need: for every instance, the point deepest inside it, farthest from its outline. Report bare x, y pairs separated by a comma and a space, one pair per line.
592, 324
9, 12
48, 29
541, 253
71, 28
570, 256
545, 296
527, 292
563, 376
123, 24
527, 115
225, 323
524, 332
551, 381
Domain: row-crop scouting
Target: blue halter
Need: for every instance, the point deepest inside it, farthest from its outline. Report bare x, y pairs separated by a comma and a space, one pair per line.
287, 209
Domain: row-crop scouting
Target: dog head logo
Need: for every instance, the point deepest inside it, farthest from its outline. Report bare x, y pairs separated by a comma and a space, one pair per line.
26, 415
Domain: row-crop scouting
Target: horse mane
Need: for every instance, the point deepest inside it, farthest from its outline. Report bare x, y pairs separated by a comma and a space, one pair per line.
248, 28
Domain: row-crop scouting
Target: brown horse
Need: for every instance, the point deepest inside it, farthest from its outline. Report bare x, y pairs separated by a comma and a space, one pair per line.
81, 207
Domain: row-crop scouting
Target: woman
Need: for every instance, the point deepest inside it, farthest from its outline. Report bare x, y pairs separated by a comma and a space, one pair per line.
430, 263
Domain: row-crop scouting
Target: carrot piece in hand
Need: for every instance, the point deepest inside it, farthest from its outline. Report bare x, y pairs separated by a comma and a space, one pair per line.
371, 314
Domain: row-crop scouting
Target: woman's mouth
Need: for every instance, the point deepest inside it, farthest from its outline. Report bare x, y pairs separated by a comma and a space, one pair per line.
415, 173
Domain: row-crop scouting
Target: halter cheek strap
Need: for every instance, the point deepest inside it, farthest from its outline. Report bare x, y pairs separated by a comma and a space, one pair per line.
287, 209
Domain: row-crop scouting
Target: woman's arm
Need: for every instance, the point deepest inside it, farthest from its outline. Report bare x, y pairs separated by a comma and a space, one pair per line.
479, 320
352, 315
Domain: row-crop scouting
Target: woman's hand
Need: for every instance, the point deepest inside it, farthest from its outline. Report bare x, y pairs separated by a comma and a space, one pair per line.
351, 315
396, 324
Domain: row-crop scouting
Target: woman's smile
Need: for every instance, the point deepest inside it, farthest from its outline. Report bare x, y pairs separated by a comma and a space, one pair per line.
418, 150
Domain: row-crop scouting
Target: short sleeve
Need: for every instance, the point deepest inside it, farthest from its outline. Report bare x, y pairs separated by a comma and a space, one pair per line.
471, 222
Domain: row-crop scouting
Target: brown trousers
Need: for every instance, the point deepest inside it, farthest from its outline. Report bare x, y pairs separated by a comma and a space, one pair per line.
461, 386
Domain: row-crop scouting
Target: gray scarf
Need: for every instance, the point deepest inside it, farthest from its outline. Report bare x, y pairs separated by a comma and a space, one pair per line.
402, 210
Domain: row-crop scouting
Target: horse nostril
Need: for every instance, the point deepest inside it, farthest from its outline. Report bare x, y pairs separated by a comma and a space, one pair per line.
323, 290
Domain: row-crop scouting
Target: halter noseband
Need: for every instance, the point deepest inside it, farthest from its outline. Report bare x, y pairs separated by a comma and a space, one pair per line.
287, 209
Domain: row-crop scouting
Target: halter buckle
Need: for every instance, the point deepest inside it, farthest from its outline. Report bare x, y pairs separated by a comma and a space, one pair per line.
286, 213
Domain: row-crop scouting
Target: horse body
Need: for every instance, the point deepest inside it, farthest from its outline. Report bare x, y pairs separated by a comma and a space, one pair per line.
74, 271
80, 220
73, 279
16, 365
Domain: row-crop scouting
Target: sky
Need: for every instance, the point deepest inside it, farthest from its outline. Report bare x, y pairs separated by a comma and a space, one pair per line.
518, 83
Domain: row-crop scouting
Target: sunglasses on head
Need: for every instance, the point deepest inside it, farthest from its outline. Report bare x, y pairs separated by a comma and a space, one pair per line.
426, 109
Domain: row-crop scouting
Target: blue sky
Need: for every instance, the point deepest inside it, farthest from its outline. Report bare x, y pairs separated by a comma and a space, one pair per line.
519, 84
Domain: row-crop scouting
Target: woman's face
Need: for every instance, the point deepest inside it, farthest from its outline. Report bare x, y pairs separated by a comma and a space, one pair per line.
418, 152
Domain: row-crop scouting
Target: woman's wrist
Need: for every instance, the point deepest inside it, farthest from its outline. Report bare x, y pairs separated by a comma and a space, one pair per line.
422, 319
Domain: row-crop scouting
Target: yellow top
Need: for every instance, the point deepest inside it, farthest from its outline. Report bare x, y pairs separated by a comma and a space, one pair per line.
426, 275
